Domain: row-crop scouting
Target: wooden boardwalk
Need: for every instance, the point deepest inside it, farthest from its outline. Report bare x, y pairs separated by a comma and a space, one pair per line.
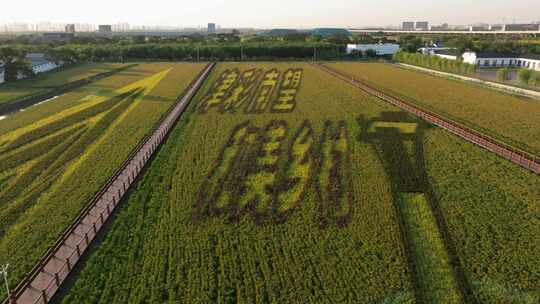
47, 276
517, 156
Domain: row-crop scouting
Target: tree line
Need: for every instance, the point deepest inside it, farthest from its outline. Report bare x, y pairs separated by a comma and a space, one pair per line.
436, 63
13, 57
193, 52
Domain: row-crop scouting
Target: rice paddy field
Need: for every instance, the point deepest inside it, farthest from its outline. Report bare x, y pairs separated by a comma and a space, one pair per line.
511, 119
282, 184
55, 156
10, 92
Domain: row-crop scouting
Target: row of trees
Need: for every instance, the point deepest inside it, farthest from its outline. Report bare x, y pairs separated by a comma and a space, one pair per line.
529, 77
489, 44
525, 76
193, 52
436, 63
15, 64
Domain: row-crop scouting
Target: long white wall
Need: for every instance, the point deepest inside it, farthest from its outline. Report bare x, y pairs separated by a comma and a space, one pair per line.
533, 64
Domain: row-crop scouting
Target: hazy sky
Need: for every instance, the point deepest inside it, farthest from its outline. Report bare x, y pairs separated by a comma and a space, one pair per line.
270, 13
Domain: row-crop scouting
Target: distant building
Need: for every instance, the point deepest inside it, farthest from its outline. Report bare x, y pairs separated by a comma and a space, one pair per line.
327, 32
382, 49
106, 28
120, 27
432, 49
443, 27
496, 27
40, 63
211, 28
502, 60
57, 36
408, 26
422, 26
522, 27
450, 54
70, 28
479, 28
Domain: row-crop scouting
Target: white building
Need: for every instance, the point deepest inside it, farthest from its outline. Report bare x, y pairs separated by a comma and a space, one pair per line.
431, 50
446, 54
443, 52
40, 63
500, 60
381, 49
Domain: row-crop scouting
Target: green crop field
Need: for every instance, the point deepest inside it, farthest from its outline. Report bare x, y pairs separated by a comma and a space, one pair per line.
46, 81
505, 117
54, 157
282, 184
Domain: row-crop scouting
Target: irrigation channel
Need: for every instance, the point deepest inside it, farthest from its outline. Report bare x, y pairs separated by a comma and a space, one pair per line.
31, 100
42, 282
515, 155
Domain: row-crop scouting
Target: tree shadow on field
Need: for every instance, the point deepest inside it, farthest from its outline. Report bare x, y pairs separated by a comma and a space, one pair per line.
402, 156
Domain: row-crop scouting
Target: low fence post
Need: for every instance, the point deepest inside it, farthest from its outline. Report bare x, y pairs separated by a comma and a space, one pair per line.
44, 296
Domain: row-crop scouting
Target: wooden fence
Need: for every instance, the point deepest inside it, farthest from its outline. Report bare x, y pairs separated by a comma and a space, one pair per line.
513, 154
44, 280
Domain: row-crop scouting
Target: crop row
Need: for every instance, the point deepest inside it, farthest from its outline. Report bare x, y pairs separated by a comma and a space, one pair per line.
511, 119
46, 81
156, 252
92, 137
491, 212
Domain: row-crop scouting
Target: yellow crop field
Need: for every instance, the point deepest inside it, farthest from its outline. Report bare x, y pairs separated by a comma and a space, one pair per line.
53, 165
508, 118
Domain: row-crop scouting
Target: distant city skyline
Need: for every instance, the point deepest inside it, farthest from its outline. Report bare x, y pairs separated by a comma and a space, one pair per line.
277, 13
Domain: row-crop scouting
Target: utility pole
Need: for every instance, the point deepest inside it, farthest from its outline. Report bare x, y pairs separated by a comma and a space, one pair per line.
198, 54
3, 272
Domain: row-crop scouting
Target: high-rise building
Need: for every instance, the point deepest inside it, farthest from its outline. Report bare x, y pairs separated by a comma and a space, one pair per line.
70, 28
408, 26
211, 28
422, 26
105, 28
120, 27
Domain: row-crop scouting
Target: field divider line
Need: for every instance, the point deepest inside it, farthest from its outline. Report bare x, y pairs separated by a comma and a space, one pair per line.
517, 156
125, 176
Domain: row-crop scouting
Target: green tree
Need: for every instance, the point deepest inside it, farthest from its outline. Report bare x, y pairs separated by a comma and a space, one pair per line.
340, 39
371, 53
534, 80
62, 54
411, 43
503, 74
524, 76
15, 63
